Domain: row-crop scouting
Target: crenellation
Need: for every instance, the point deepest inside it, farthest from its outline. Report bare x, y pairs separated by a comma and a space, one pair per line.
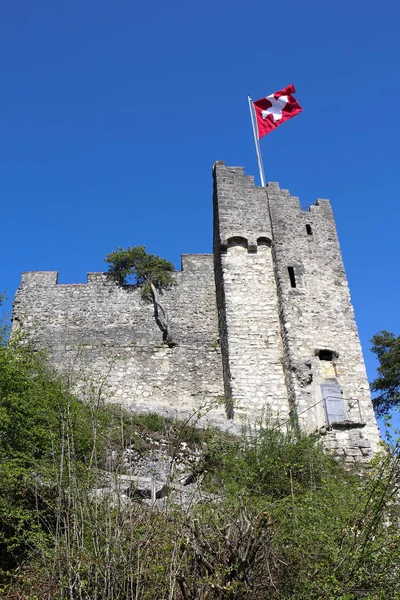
99, 279
264, 322
39, 278
242, 208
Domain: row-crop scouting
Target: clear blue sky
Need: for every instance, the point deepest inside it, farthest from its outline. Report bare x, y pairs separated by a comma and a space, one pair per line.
112, 114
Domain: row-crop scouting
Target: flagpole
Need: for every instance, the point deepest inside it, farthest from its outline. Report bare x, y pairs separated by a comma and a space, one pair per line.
256, 142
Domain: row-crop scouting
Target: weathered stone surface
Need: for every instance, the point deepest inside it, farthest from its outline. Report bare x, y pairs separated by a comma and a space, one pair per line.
248, 303
106, 335
264, 322
165, 471
317, 314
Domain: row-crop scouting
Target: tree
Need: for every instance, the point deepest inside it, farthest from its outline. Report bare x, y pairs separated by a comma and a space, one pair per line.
4, 322
386, 346
151, 273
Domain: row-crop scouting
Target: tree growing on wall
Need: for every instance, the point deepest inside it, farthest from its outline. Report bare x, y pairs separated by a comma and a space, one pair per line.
151, 273
386, 346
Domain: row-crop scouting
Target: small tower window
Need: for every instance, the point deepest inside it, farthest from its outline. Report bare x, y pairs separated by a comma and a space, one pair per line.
325, 355
264, 241
292, 277
308, 229
237, 241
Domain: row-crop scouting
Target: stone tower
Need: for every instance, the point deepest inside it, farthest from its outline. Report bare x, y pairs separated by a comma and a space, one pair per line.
265, 324
288, 333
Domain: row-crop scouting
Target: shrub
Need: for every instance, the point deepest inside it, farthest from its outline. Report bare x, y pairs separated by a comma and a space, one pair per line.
277, 518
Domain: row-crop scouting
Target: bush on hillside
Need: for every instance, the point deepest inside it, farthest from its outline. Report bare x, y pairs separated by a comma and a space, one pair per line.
279, 519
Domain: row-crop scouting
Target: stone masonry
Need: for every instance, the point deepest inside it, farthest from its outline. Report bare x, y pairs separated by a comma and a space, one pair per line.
264, 325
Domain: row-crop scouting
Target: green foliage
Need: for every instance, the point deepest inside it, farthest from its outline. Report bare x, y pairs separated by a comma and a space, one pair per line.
386, 347
332, 532
4, 323
269, 463
278, 518
153, 422
37, 415
135, 264
51, 443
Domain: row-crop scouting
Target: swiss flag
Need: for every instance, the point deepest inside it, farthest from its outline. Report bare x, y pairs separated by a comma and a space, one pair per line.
275, 110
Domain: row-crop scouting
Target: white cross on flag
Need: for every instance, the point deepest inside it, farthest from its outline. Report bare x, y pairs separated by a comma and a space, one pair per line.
275, 109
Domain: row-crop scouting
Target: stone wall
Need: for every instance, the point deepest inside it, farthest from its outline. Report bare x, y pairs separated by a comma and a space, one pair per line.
106, 336
318, 319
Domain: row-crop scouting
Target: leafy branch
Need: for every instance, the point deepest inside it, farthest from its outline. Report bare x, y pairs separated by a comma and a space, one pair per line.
386, 347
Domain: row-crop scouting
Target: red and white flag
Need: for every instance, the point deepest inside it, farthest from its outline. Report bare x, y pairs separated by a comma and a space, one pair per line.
275, 109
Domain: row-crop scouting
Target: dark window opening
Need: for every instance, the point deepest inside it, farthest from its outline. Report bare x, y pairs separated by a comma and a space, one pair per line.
237, 241
292, 277
308, 229
263, 241
325, 355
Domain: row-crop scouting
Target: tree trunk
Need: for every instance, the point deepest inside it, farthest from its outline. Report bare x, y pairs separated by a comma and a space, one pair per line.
161, 317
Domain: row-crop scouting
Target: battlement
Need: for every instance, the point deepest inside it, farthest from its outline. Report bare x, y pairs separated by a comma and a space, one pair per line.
190, 264
41, 278
240, 208
265, 322
50, 279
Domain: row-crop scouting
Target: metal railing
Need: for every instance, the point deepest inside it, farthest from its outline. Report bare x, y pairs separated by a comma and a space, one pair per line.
353, 412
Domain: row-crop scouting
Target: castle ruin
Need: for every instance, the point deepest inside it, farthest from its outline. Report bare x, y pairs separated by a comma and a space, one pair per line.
265, 323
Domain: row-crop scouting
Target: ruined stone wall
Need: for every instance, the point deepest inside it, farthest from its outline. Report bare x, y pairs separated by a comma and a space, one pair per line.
266, 323
318, 321
106, 335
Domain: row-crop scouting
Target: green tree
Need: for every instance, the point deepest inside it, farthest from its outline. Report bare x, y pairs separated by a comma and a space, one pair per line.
386, 347
4, 322
37, 416
152, 273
